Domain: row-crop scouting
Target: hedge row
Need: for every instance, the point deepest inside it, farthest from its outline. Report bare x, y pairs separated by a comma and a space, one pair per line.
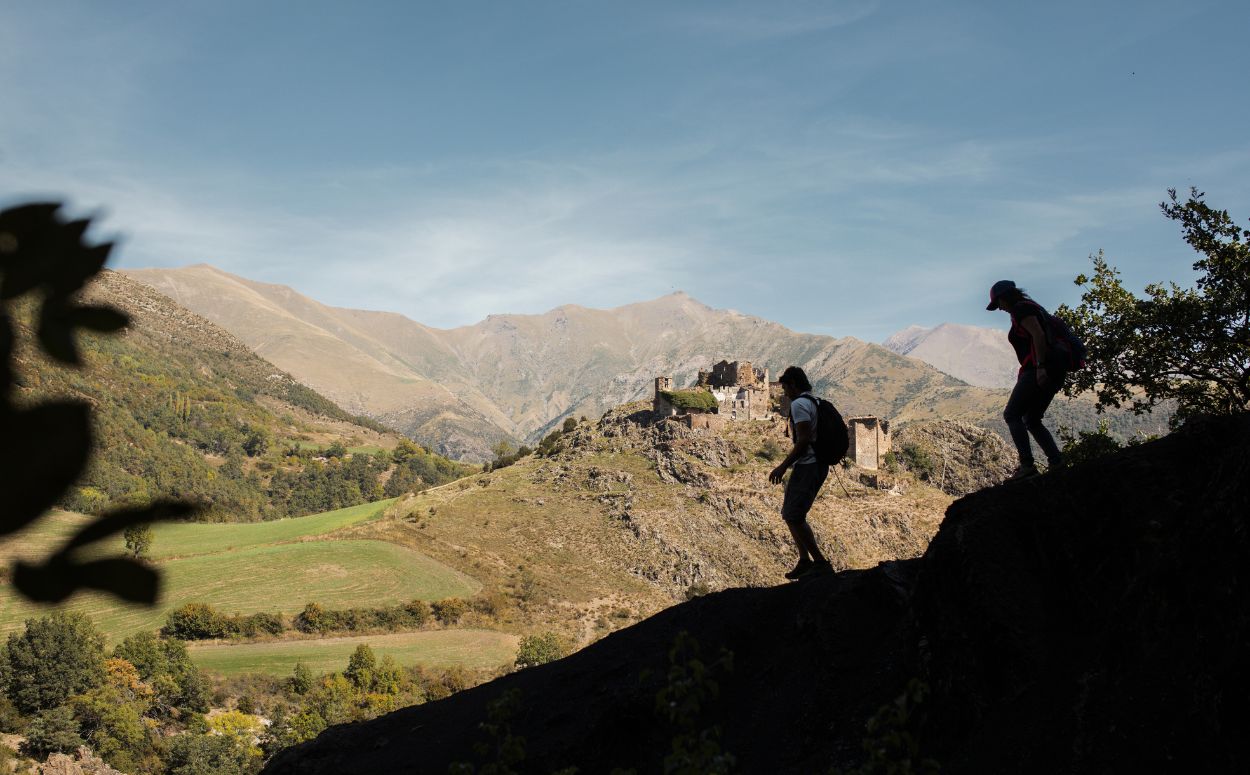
200, 621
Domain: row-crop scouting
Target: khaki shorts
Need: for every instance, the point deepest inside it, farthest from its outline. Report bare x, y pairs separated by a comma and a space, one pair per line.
801, 490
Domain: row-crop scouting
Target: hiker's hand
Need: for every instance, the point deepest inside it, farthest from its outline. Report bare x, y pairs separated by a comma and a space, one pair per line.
1041, 375
777, 474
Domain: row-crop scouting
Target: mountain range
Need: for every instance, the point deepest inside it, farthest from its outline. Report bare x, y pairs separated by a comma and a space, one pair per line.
978, 356
512, 378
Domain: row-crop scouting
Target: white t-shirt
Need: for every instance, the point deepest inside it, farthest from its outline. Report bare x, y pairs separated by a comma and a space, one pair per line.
803, 409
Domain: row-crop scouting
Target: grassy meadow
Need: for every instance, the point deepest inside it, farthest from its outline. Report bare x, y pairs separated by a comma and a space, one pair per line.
249, 568
470, 649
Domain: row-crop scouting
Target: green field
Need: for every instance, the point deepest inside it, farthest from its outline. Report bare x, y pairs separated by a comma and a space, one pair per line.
249, 568
439, 648
184, 539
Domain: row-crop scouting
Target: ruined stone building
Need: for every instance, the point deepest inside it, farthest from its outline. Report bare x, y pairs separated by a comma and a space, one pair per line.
870, 440
741, 392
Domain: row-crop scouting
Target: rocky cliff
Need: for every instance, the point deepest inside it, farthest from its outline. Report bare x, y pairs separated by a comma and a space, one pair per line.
1094, 620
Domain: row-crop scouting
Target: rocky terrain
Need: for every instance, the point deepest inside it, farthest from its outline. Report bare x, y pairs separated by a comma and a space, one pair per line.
1093, 620
629, 514
956, 457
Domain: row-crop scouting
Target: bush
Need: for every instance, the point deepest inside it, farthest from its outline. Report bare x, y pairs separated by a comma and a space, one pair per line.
197, 621
539, 649
52, 731
917, 460
450, 610
1088, 445
55, 658
691, 400
770, 450
258, 624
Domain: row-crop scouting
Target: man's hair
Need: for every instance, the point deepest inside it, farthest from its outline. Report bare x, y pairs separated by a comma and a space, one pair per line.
795, 376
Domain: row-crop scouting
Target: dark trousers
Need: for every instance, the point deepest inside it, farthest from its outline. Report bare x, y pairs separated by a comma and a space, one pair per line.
1028, 402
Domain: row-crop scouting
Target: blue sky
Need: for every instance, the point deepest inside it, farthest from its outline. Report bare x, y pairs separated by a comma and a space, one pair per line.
846, 168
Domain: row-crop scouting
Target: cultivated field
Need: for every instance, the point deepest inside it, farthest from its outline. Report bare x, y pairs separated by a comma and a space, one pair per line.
470, 649
249, 568
184, 539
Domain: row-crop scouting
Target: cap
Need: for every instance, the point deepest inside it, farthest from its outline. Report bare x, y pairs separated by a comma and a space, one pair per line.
997, 290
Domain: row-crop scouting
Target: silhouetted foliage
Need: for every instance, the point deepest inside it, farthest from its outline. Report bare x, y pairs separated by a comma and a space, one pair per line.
1187, 345
45, 448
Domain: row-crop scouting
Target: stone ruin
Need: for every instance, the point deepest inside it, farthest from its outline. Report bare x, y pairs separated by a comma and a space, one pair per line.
742, 392
870, 440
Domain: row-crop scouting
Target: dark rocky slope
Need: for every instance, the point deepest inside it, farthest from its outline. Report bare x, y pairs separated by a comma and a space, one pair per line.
1095, 620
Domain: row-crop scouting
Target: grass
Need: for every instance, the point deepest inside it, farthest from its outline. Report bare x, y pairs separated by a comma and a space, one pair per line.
248, 568
185, 539
337, 574
472, 649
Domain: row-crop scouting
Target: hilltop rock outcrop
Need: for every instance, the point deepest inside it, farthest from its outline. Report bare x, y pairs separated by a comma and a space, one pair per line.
956, 457
1093, 620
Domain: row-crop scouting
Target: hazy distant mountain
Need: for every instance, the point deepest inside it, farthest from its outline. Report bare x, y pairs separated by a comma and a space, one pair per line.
460, 390
978, 356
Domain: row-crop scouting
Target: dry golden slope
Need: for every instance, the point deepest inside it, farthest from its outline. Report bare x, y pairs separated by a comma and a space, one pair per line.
630, 515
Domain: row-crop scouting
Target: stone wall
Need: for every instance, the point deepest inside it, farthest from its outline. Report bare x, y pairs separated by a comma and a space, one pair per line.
870, 440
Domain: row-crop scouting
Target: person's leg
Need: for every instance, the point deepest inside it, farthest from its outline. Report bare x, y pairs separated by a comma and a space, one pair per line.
801, 490
1017, 405
1033, 420
805, 540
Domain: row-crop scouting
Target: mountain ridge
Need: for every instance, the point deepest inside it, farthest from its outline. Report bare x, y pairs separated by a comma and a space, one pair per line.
514, 377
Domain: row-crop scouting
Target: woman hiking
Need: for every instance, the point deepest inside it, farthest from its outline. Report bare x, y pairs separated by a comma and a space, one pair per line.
1039, 379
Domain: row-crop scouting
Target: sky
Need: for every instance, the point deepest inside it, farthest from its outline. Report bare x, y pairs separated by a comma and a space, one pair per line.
843, 168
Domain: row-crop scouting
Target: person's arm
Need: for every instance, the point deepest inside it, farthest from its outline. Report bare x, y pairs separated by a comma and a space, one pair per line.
1040, 351
802, 438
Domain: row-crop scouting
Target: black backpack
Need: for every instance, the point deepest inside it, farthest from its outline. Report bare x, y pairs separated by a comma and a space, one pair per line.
832, 440
1061, 339
1066, 343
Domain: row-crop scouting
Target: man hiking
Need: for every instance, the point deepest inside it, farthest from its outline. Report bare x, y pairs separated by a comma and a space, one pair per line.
1041, 375
808, 474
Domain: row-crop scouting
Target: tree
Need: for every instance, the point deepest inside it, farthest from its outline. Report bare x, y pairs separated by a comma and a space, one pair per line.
52, 731
301, 679
361, 666
215, 754
1191, 346
55, 658
539, 649
139, 540
166, 665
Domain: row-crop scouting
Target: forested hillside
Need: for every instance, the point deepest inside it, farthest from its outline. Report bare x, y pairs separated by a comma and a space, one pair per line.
185, 410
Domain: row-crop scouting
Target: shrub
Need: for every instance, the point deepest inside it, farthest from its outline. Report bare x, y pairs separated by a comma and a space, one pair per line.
450, 610
197, 621
311, 619
539, 649
917, 459
55, 658
691, 400
52, 731
259, 624
1088, 445
418, 611
770, 450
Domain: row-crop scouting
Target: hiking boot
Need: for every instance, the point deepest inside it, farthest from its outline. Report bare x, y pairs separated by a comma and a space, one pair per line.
818, 568
1025, 471
803, 567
